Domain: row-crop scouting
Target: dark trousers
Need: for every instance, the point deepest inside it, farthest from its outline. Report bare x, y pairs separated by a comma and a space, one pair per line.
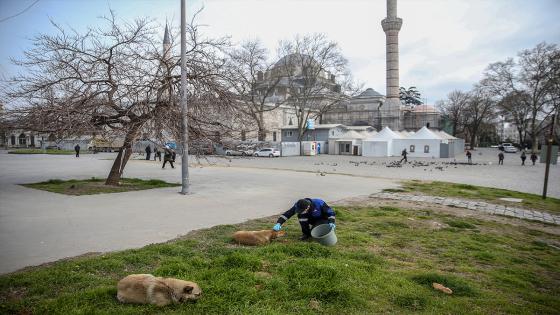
307, 226
522, 161
501, 162
77, 153
170, 162
148, 154
533, 161
470, 160
404, 158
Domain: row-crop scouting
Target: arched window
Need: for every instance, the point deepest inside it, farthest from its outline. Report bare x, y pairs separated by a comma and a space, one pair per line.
426, 149
412, 148
13, 139
22, 140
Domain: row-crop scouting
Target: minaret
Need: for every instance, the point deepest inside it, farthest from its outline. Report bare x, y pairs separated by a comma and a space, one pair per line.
391, 26
166, 43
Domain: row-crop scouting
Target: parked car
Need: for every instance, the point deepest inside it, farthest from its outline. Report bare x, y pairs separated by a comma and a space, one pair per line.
242, 152
270, 152
509, 148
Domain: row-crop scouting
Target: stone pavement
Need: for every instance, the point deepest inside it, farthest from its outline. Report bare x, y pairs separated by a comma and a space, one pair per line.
481, 206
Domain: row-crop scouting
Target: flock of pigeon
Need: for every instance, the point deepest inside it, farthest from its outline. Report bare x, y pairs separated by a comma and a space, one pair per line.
428, 166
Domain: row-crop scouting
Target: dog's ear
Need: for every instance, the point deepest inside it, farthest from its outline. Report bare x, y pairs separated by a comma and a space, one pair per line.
188, 289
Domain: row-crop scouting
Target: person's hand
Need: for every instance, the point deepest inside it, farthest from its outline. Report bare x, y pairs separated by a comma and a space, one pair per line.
277, 227
332, 225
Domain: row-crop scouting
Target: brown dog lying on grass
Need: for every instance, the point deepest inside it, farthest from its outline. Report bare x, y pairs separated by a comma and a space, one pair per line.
147, 289
254, 238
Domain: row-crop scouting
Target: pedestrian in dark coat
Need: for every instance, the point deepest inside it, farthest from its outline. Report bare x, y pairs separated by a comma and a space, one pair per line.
501, 158
156, 153
77, 149
403, 154
469, 157
148, 153
167, 157
523, 157
173, 155
533, 157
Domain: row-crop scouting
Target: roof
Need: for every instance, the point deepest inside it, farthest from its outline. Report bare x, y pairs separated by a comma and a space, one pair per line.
425, 109
317, 126
445, 135
425, 133
386, 134
351, 135
359, 128
166, 39
369, 93
294, 59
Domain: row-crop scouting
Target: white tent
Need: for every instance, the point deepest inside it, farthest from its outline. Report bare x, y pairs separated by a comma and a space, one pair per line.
423, 143
380, 144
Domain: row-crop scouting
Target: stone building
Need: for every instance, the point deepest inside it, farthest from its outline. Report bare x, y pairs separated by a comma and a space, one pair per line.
368, 109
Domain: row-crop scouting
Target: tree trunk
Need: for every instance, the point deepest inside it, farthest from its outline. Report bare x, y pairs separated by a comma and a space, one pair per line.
473, 138
124, 154
260, 123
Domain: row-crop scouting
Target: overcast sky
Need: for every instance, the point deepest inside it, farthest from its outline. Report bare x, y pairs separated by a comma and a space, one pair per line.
444, 44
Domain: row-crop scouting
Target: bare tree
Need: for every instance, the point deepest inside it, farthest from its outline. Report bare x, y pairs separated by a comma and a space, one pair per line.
526, 87
116, 80
455, 108
307, 69
247, 67
480, 109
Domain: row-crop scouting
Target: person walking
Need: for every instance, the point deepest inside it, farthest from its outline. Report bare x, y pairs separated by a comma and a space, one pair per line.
523, 157
403, 154
77, 149
469, 157
310, 213
501, 158
167, 157
533, 157
148, 153
156, 153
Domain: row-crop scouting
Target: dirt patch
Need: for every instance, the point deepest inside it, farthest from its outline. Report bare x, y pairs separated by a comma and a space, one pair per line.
366, 201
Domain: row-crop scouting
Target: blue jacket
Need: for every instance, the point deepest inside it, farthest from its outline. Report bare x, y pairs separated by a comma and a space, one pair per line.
318, 211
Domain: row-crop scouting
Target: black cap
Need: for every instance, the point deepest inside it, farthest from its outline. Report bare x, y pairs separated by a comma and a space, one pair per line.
302, 204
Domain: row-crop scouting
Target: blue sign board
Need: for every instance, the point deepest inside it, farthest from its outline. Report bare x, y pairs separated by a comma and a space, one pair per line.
310, 124
171, 145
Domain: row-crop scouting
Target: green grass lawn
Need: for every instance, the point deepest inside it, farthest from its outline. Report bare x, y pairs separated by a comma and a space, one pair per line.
446, 189
47, 151
97, 186
385, 262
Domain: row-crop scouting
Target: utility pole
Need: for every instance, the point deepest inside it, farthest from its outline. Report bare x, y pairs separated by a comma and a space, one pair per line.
548, 155
184, 122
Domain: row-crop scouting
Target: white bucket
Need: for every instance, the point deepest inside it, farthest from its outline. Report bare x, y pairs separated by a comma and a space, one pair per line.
324, 234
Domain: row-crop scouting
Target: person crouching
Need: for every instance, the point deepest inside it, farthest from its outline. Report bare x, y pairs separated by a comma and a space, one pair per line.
310, 213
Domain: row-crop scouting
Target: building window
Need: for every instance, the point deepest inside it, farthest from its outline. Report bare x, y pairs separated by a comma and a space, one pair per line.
13, 139
22, 140
288, 133
426, 149
290, 123
332, 133
412, 148
274, 136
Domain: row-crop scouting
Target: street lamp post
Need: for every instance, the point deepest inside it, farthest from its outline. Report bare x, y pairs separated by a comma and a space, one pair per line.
184, 122
548, 155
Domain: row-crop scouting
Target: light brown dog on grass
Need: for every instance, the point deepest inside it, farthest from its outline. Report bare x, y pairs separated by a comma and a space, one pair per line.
254, 238
147, 289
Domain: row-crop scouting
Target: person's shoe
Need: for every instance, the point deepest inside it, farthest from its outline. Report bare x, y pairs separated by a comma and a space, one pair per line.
304, 237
